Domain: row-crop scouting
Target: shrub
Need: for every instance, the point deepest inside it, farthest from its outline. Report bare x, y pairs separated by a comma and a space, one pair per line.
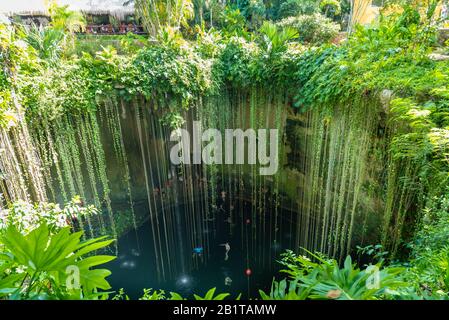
330, 8
232, 21
255, 13
430, 249
292, 8
46, 265
26, 216
325, 279
312, 29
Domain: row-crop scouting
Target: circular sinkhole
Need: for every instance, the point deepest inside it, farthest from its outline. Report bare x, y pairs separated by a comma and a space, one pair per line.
238, 255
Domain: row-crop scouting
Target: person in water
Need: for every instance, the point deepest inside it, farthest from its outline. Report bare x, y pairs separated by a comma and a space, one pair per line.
198, 251
227, 248
228, 281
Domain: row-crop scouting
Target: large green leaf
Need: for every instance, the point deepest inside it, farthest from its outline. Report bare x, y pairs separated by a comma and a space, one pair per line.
91, 280
45, 258
92, 246
94, 261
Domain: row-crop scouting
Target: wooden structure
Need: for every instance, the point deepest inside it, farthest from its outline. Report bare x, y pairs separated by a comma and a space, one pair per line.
102, 16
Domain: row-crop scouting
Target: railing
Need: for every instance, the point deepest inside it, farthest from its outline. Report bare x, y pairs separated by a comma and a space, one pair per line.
110, 29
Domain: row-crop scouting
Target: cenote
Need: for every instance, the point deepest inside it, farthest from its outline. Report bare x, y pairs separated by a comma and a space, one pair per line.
248, 268
356, 186
174, 223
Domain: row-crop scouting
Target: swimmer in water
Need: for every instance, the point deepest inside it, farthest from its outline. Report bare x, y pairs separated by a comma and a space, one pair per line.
135, 253
198, 252
227, 248
228, 281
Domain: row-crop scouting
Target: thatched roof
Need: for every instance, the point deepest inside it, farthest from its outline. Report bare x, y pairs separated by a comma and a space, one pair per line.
39, 7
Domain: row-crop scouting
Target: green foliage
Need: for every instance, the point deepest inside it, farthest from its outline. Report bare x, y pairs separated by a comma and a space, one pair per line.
26, 217
92, 43
66, 20
148, 294
46, 265
236, 60
325, 279
157, 15
330, 8
120, 295
274, 39
48, 43
210, 295
174, 74
151, 294
14, 57
169, 71
46, 95
374, 58
313, 29
232, 21
254, 12
384, 57
430, 250
374, 252
268, 62
285, 290
292, 8
178, 74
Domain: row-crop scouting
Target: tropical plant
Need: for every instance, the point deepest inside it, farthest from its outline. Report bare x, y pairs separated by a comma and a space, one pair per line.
151, 294
210, 295
325, 279
254, 12
429, 262
66, 20
292, 8
120, 295
48, 42
26, 216
46, 265
285, 290
156, 14
232, 21
148, 294
213, 9
313, 29
14, 56
373, 252
275, 39
330, 8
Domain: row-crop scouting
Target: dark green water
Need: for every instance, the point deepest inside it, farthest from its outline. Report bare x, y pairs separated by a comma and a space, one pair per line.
135, 267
